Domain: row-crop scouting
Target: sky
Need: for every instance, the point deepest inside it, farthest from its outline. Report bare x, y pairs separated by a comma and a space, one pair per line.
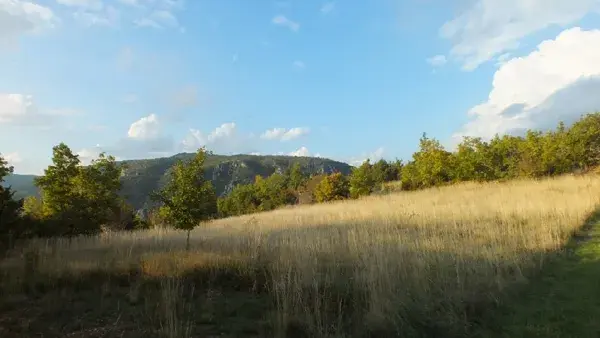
346, 79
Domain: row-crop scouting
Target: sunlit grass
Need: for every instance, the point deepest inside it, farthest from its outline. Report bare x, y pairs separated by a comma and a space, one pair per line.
410, 263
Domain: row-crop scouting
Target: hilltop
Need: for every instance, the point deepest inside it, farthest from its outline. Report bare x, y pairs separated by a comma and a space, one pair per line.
142, 176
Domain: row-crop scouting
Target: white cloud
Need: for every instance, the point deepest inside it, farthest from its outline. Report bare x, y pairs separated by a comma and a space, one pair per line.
283, 134
437, 61
302, 151
281, 20
108, 17
19, 17
86, 155
146, 128
372, 156
491, 27
224, 131
95, 5
21, 110
558, 81
12, 158
328, 7
16, 107
159, 19
223, 138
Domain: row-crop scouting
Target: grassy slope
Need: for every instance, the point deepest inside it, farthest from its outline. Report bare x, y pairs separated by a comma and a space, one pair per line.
260, 294
564, 301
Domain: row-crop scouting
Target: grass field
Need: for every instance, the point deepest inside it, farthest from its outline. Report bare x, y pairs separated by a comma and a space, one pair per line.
468, 260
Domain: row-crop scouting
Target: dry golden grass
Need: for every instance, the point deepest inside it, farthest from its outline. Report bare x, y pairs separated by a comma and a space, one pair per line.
407, 263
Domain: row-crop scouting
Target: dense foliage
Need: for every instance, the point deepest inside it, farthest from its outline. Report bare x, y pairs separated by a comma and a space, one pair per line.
188, 198
333, 187
9, 207
76, 199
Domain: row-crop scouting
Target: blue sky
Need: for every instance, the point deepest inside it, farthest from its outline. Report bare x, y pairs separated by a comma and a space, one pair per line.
347, 80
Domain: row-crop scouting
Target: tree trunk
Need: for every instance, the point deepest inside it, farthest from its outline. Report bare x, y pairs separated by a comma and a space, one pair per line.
187, 243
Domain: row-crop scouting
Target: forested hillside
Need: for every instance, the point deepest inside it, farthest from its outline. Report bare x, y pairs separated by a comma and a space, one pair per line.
142, 177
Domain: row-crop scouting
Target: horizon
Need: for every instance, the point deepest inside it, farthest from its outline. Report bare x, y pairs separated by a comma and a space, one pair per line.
345, 81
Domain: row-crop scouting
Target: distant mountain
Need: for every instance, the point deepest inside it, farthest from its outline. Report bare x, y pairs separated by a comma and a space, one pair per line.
141, 177
22, 185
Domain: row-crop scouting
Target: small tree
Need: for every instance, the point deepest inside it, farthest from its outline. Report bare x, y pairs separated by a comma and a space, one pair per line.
297, 177
333, 187
97, 187
188, 198
361, 180
243, 199
57, 186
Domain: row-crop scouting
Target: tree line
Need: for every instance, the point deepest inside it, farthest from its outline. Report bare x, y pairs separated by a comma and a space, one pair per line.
84, 200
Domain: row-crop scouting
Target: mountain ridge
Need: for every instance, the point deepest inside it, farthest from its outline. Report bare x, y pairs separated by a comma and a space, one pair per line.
142, 176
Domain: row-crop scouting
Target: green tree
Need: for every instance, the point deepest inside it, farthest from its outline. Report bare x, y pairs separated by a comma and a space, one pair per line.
584, 141
274, 192
383, 171
9, 207
431, 165
531, 152
188, 198
361, 180
97, 187
558, 152
504, 155
471, 161
297, 178
396, 170
60, 201
333, 187
243, 199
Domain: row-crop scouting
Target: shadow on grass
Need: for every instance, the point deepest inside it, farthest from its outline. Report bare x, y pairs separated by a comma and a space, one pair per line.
236, 301
201, 303
562, 301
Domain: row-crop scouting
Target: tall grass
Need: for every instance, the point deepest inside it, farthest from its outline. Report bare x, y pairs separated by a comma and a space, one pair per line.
410, 264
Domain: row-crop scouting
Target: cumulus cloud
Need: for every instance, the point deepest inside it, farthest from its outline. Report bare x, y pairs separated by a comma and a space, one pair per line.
281, 20
302, 151
86, 155
109, 16
142, 13
145, 128
372, 156
86, 4
328, 7
21, 110
490, 27
437, 61
16, 107
222, 139
19, 17
144, 139
283, 134
558, 81
12, 158
159, 19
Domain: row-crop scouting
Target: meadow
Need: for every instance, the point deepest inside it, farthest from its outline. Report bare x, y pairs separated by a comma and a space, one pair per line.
437, 262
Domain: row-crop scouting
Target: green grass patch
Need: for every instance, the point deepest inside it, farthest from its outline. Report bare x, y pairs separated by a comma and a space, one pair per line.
563, 301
